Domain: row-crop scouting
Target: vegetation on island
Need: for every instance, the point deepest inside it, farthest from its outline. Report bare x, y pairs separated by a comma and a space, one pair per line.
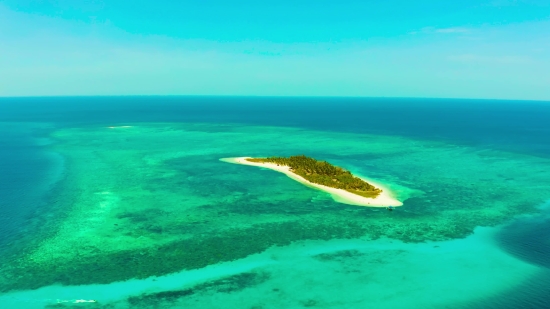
323, 173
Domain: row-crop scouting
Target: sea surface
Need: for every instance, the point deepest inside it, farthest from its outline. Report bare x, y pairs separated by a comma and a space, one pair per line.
123, 202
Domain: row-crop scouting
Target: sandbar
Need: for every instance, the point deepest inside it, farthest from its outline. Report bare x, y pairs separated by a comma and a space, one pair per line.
119, 127
384, 199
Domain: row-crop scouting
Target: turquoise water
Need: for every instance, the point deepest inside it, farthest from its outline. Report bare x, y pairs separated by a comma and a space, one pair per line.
125, 201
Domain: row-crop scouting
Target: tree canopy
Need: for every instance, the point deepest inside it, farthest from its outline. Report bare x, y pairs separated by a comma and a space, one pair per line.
324, 173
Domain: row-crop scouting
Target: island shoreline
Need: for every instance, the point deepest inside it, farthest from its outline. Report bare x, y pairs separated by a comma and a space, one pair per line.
384, 199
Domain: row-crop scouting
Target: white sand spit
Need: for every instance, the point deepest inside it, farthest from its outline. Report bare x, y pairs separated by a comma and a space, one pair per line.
119, 127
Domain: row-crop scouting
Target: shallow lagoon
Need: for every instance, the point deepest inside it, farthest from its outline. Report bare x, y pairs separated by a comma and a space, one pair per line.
151, 203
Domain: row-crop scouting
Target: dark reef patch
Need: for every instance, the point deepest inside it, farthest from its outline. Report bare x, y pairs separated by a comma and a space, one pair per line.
142, 216
339, 255
225, 285
309, 303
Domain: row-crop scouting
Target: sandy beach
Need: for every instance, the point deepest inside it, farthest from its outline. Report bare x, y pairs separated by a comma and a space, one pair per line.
384, 199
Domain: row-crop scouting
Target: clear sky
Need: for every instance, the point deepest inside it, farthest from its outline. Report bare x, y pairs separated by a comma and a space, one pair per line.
391, 48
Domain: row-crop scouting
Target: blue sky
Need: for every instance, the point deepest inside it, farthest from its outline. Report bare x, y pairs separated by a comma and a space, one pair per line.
393, 48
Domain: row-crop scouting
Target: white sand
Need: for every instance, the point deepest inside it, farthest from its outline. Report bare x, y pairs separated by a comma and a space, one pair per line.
119, 127
384, 199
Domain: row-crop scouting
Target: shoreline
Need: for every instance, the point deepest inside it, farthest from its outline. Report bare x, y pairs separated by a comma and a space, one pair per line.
384, 199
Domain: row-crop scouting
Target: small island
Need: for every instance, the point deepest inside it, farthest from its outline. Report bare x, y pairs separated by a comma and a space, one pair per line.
340, 183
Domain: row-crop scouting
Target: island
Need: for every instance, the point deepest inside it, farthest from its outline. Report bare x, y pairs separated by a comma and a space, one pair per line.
340, 183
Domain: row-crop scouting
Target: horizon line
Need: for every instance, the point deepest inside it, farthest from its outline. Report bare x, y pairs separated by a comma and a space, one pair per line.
266, 96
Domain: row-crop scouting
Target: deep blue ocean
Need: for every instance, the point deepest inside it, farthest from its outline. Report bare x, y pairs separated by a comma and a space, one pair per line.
29, 169
515, 125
